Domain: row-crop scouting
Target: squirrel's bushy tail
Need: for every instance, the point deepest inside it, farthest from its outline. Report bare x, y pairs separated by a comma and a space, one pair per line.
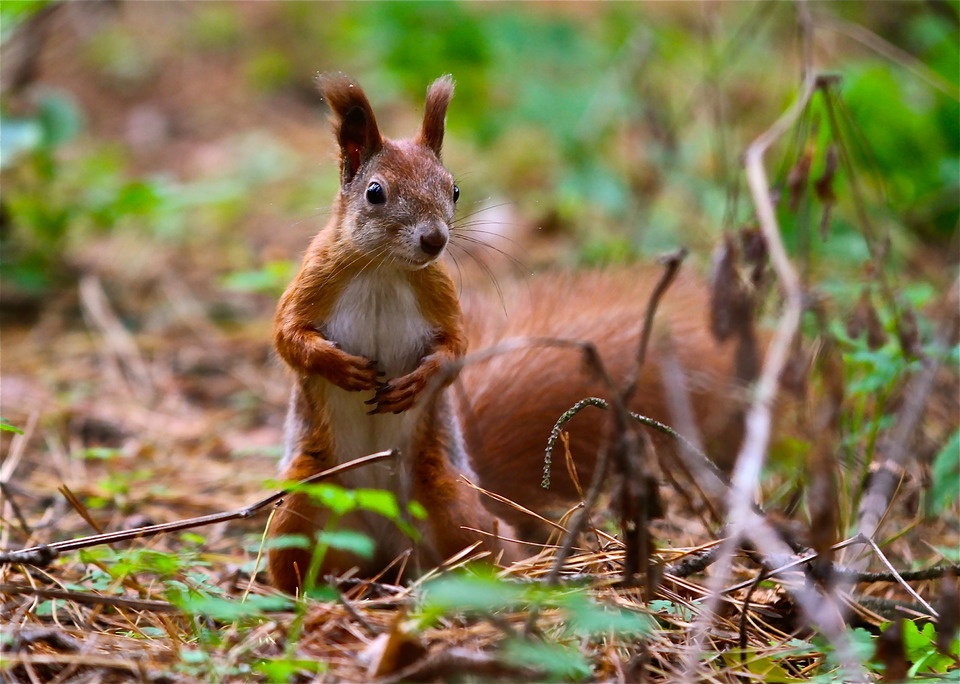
511, 402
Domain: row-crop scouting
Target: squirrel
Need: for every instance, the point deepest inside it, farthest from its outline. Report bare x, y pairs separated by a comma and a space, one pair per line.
372, 319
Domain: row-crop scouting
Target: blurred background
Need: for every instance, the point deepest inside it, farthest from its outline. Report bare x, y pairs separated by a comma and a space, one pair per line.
164, 165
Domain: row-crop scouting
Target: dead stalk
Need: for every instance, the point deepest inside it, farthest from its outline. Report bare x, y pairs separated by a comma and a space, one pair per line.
29, 556
752, 455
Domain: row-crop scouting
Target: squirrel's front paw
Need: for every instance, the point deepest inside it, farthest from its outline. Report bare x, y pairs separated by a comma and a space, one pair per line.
399, 394
354, 373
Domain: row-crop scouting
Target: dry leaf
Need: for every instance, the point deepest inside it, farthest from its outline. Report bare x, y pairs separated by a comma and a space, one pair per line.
823, 186
948, 606
798, 177
890, 652
394, 650
866, 320
725, 289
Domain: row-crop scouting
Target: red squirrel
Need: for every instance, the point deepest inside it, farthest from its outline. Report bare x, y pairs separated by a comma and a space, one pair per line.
372, 318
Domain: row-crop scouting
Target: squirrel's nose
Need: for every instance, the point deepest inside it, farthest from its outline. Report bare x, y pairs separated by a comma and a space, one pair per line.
433, 241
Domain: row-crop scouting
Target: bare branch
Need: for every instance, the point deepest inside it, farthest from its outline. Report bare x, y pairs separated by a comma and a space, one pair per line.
97, 599
45, 553
752, 455
672, 263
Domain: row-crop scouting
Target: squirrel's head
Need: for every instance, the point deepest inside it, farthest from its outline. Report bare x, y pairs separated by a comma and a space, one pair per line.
396, 198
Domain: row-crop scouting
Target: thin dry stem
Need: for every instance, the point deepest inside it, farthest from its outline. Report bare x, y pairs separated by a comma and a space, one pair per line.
23, 555
752, 454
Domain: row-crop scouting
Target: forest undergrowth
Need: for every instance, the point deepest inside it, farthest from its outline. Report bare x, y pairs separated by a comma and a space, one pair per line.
139, 388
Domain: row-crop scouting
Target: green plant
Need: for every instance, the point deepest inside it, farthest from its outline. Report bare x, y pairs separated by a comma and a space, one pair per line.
52, 204
13, 13
945, 475
7, 427
271, 278
339, 502
920, 648
478, 593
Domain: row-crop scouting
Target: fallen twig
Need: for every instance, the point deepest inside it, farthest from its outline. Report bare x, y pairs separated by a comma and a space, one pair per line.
893, 570
43, 552
52, 637
96, 599
37, 555
895, 452
935, 572
18, 514
604, 404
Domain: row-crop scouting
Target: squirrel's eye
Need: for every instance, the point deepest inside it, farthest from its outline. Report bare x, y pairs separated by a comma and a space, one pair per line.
375, 194
456, 193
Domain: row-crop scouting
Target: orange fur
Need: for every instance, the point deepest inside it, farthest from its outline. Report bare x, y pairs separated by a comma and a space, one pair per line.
515, 399
434, 111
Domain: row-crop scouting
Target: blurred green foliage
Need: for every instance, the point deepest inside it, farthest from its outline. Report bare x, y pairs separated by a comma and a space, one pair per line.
920, 646
13, 13
51, 200
945, 476
620, 125
478, 593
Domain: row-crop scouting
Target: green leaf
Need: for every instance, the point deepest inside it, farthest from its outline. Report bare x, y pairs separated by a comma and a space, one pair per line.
766, 670
193, 538
862, 643
59, 118
416, 509
286, 541
132, 561
378, 501
323, 593
95, 554
589, 618
945, 476
283, 670
334, 497
272, 278
14, 12
194, 656
45, 607
348, 540
471, 593
97, 453
225, 609
7, 427
559, 662
916, 643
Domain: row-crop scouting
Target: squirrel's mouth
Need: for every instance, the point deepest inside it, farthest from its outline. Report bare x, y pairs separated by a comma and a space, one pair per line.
405, 262
417, 264
414, 261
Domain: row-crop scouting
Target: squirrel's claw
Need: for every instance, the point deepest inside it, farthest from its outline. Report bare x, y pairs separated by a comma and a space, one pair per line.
354, 373
399, 394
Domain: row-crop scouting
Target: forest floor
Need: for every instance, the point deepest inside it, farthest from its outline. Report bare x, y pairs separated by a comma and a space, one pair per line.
144, 390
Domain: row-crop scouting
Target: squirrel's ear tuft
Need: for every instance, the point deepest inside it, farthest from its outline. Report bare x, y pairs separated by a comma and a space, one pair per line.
439, 95
353, 122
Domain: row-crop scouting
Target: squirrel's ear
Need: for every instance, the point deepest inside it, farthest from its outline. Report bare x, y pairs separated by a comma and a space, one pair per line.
353, 122
439, 95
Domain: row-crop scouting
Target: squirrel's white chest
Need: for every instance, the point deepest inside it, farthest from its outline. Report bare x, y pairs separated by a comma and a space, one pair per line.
377, 316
